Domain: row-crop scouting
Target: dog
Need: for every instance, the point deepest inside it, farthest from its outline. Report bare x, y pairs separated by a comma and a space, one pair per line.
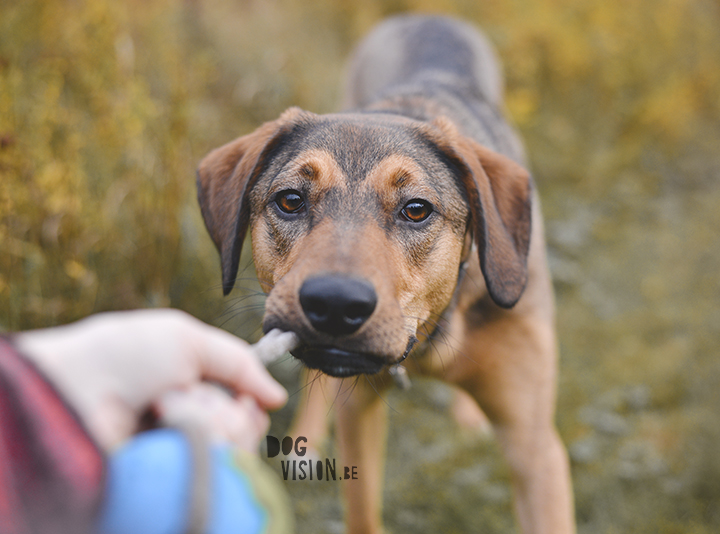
411, 212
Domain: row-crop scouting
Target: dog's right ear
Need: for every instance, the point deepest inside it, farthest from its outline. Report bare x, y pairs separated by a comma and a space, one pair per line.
499, 195
224, 179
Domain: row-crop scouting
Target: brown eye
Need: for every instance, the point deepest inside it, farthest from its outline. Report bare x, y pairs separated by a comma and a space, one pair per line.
416, 210
290, 201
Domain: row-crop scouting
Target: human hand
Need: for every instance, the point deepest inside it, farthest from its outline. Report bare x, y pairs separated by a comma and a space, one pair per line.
112, 367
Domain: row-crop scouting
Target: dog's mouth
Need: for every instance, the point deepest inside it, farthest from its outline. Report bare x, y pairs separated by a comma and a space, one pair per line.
337, 362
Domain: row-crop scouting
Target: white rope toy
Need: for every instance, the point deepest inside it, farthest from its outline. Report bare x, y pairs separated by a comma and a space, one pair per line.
274, 344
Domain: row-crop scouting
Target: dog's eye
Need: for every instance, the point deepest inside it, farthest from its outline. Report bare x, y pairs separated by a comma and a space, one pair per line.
290, 201
416, 210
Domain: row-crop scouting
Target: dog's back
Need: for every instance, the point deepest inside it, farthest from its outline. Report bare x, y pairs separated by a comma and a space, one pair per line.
444, 61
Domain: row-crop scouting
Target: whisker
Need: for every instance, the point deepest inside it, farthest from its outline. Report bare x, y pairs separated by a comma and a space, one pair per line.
350, 389
252, 279
450, 341
279, 361
238, 307
247, 292
238, 313
337, 394
367, 377
258, 329
308, 384
475, 282
238, 310
428, 336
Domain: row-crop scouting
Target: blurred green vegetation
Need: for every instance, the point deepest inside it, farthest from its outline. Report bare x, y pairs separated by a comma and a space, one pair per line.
106, 107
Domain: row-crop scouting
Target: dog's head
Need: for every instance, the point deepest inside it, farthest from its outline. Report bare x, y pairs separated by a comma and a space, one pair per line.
360, 223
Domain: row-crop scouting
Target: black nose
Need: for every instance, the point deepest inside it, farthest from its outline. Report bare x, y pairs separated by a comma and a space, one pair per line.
337, 305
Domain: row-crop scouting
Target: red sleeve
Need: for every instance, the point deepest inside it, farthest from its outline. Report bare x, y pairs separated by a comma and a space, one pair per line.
51, 471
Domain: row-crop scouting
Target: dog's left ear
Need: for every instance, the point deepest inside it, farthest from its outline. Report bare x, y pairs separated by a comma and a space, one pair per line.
225, 177
499, 193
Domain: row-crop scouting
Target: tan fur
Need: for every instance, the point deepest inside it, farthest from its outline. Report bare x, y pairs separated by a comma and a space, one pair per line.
419, 295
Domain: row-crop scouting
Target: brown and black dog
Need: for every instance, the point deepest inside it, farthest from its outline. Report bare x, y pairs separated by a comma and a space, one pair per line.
409, 212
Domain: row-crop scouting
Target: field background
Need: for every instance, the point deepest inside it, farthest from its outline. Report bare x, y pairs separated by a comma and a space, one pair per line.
106, 107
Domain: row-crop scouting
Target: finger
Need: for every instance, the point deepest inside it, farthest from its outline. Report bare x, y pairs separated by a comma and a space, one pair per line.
256, 424
229, 360
240, 421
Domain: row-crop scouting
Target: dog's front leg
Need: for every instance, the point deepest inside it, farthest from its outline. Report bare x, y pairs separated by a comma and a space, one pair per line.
361, 432
540, 477
511, 372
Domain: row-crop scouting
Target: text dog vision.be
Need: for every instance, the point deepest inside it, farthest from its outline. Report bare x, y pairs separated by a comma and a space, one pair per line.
305, 469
